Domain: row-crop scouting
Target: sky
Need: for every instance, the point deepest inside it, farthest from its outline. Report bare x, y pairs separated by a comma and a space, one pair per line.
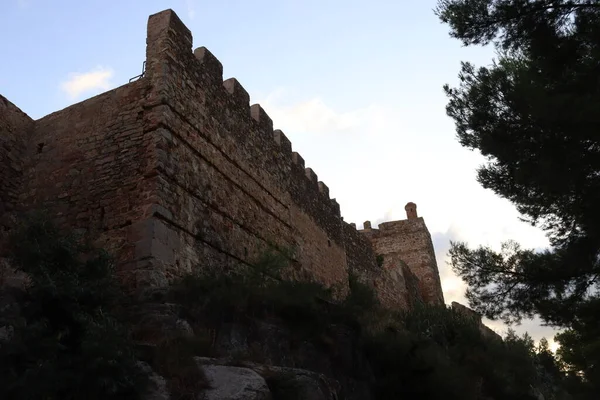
355, 85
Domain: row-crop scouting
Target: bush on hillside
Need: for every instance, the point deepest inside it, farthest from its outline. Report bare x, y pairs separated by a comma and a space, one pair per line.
257, 292
71, 346
440, 354
430, 352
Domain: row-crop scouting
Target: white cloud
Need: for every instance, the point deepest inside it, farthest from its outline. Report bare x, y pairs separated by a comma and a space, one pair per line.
314, 116
191, 8
80, 83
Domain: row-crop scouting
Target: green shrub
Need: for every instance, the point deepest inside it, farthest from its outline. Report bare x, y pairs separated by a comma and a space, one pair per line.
429, 352
71, 346
444, 326
441, 354
407, 366
361, 298
217, 298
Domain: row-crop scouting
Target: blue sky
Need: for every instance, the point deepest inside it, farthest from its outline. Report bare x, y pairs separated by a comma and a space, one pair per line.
355, 85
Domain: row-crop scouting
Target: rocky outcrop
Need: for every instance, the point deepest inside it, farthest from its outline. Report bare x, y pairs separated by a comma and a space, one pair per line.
293, 383
250, 381
333, 356
234, 383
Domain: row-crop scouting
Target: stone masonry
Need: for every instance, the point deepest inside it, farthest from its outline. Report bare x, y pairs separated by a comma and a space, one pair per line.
176, 172
408, 241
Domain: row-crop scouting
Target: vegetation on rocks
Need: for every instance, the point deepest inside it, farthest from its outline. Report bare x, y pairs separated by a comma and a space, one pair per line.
67, 341
77, 341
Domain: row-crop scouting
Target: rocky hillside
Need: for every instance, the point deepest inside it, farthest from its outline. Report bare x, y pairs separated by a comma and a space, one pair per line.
70, 332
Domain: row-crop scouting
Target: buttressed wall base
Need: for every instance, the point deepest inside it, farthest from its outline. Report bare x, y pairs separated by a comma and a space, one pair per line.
176, 172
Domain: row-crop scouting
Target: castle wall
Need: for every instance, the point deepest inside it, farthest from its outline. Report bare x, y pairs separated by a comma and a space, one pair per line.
412, 285
229, 185
409, 241
391, 287
91, 166
15, 130
177, 171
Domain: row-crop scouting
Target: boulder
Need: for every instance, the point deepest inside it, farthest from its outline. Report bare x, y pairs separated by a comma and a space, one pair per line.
298, 384
281, 382
233, 383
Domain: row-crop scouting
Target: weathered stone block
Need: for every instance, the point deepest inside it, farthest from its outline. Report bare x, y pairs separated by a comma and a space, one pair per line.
234, 383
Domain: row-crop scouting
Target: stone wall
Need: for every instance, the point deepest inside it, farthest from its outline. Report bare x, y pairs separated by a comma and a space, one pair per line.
91, 166
408, 241
177, 171
389, 281
15, 130
230, 186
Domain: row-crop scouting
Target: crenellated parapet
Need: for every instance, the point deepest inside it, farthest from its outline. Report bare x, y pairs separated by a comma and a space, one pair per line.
191, 85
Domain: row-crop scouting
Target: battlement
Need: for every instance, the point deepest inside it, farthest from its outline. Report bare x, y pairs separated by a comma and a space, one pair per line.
182, 172
389, 227
199, 75
395, 226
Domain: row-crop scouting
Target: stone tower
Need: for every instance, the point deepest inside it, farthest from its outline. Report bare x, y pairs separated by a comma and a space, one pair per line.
408, 242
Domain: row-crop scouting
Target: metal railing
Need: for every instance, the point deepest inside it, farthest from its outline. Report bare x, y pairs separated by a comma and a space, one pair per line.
140, 75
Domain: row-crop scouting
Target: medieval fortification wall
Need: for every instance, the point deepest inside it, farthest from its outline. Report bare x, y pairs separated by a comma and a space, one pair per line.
177, 171
16, 128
